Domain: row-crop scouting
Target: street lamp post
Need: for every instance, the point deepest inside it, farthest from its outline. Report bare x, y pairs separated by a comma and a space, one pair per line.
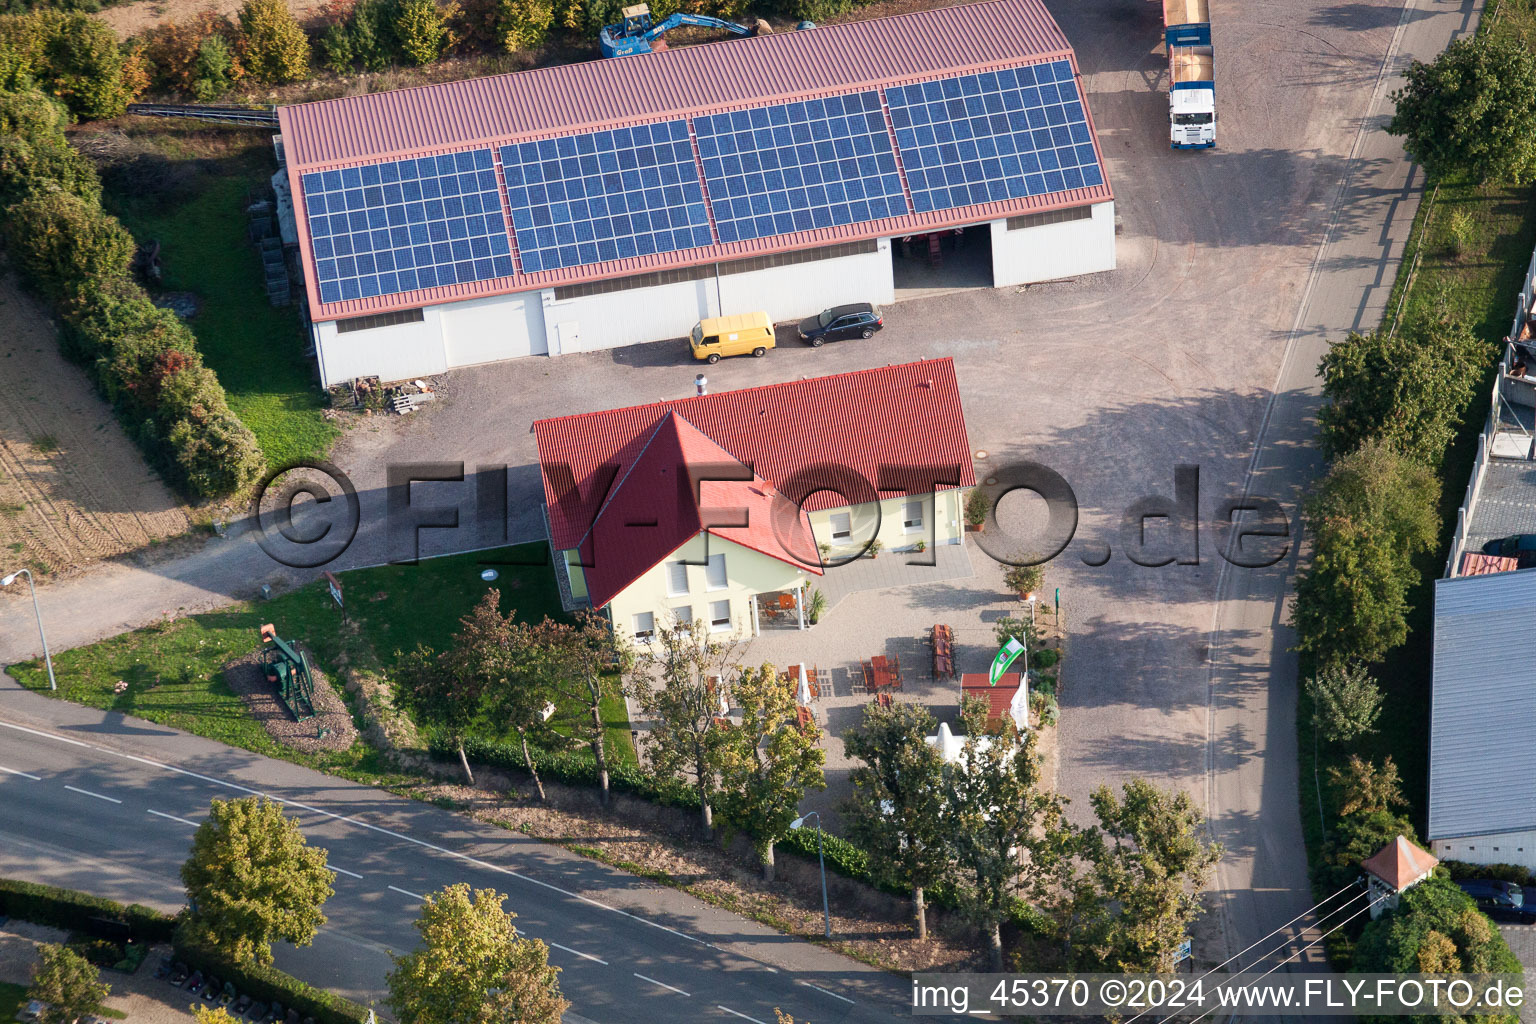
47, 658
797, 823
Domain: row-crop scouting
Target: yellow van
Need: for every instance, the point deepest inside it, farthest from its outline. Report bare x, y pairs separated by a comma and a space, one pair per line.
732, 336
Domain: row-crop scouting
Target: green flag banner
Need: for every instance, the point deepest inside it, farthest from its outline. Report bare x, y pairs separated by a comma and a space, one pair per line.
1009, 651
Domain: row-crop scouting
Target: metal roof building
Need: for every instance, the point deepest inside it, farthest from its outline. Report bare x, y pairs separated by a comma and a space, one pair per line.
742, 159
1482, 769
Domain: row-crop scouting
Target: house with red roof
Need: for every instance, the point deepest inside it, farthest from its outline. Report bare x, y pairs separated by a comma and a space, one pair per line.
725, 509
614, 202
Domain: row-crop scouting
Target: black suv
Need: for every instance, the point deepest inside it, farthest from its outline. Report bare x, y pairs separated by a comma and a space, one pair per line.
1502, 901
855, 320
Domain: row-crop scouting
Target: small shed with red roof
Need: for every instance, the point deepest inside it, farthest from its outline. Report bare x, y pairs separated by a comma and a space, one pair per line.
1008, 699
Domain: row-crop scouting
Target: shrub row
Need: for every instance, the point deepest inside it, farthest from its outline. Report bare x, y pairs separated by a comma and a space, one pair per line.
143, 359
577, 768
81, 912
73, 57
269, 985
1459, 869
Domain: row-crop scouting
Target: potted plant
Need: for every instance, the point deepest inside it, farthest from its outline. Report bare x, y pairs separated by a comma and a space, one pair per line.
874, 548
825, 549
815, 606
920, 546
976, 508
1024, 579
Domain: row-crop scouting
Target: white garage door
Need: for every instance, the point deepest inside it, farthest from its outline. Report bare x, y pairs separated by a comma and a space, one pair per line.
487, 330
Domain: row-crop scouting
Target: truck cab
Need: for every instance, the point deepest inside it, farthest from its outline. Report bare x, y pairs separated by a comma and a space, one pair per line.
1192, 117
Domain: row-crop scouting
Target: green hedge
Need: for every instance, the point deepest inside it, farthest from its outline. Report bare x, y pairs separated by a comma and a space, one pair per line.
577, 768
143, 359
269, 985
81, 912
1459, 869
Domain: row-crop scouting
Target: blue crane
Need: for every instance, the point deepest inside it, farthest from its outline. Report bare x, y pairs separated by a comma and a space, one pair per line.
635, 33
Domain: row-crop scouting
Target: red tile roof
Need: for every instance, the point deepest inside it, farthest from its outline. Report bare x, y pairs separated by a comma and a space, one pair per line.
999, 698
655, 509
1400, 863
836, 59
895, 416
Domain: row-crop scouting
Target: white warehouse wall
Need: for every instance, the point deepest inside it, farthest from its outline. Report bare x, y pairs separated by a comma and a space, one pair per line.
638, 315
1050, 251
1501, 848
449, 335
389, 353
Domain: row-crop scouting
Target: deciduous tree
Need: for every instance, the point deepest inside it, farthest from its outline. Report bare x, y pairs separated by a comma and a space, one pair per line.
1345, 701
422, 28
1008, 835
581, 666
253, 879
769, 761
1149, 860
897, 813
450, 690
68, 983
1436, 927
683, 740
273, 48
473, 967
1369, 517
1365, 788
1409, 388
1472, 111
62, 245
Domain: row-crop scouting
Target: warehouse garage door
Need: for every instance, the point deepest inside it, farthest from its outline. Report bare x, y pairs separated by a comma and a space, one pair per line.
488, 330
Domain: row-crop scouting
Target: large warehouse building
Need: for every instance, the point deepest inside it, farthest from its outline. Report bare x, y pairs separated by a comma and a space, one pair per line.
619, 201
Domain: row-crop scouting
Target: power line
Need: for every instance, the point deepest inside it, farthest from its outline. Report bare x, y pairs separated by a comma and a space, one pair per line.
1255, 942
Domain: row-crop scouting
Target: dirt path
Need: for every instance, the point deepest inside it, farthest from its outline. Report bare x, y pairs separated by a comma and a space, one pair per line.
73, 489
130, 19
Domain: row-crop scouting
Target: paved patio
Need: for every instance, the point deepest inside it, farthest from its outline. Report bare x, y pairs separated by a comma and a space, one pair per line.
887, 606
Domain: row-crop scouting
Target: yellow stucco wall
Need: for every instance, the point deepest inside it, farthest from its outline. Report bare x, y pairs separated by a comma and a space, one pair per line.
748, 573
941, 516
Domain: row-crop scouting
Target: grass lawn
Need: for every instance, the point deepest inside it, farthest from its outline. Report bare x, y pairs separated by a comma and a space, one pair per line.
12, 998
174, 669
1472, 247
256, 349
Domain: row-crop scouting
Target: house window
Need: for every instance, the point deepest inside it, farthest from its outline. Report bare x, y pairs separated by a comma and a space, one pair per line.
683, 615
715, 575
719, 615
912, 516
645, 625
677, 577
842, 525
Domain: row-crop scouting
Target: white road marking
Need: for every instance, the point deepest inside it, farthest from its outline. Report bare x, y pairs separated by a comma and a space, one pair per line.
13, 771
578, 952
670, 988
344, 871
824, 992
371, 827
743, 1016
98, 796
408, 892
184, 821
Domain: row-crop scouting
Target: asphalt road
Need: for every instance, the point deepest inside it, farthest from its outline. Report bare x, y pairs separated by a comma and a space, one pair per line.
84, 810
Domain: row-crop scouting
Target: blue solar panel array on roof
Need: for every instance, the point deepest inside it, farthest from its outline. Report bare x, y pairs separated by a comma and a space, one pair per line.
380, 229
993, 136
597, 197
605, 195
799, 166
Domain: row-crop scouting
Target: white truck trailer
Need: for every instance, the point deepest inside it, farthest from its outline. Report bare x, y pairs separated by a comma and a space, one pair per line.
1191, 74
